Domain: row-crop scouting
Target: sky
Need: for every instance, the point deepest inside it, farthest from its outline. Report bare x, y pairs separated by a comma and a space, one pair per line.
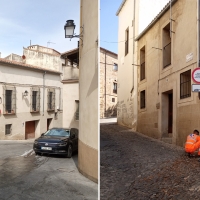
109, 20
109, 24
40, 21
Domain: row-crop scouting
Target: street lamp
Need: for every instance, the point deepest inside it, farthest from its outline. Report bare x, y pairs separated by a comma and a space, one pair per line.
69, 30
25, 93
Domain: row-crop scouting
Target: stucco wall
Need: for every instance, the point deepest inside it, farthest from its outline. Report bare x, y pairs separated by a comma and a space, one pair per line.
88, 90
42, 59
127, 86
70, 94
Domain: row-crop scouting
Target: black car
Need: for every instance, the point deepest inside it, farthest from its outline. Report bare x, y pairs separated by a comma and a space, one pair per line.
62, 141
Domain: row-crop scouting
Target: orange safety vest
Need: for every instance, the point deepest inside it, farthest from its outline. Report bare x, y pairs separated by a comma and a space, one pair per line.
191, 140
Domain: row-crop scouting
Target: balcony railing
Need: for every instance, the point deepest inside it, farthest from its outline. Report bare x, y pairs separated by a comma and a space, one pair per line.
142, 71
167, 55
126, 47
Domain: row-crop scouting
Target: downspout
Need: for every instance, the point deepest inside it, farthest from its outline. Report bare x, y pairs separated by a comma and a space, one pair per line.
133, 25
105, 88
170, 18
43, 89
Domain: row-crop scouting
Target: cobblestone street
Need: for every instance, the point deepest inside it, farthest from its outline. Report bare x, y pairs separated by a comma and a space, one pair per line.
134, 166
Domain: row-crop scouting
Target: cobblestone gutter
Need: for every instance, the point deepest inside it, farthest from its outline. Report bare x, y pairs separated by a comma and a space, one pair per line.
134, 166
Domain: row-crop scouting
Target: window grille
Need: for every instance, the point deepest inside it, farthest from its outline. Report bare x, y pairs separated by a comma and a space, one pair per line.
51, 99
77, 110
8, 129
185, 84
142, 71
115, 88
9, 100
142, 99
166, 46
35, 99
126, 41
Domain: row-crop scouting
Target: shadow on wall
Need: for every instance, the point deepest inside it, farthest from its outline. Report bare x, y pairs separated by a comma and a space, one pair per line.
111, 111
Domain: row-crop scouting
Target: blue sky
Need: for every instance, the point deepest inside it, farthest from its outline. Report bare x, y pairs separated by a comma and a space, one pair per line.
109, 24
39, 21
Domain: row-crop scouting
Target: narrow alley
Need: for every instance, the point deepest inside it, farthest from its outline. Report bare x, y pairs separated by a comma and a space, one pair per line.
134, 166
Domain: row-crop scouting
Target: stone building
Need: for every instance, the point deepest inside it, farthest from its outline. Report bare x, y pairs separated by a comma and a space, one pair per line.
166, 53
108, 83
88, 90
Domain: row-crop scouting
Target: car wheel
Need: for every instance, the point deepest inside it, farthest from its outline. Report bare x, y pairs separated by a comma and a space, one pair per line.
69, 151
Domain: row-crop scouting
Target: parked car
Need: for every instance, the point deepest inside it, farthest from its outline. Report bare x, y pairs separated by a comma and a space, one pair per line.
63, 141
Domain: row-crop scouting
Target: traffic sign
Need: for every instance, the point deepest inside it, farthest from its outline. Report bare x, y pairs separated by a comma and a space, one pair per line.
196, 75
195, 87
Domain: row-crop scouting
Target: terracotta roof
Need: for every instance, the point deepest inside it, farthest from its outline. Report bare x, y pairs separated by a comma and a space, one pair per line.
101, 48
70, 51
4, 61
160, 14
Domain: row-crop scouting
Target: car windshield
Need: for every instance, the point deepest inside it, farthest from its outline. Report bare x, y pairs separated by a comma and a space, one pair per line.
58, 132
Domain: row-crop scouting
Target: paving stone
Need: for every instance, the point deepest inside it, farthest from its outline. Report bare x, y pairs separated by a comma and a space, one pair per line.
144, 168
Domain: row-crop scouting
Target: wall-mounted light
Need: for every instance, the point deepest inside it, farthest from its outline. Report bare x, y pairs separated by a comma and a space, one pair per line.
69, 30
25, 93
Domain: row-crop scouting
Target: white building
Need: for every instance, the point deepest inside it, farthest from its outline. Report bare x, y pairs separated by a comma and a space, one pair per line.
30, 100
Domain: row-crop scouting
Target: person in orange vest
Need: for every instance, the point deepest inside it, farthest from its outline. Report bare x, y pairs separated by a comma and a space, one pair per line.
192, 143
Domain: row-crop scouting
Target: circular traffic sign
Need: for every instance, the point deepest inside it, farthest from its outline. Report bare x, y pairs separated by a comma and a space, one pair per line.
196, 75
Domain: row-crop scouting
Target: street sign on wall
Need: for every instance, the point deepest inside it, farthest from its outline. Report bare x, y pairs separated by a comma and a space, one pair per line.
196, 75
195, 87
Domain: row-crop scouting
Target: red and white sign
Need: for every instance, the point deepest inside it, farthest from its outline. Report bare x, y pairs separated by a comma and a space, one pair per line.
196, 75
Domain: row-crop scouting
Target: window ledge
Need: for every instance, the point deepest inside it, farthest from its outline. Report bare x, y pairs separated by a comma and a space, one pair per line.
35, 111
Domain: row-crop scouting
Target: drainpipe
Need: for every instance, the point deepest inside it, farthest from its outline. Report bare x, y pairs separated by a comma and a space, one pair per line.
105, 87
43, 89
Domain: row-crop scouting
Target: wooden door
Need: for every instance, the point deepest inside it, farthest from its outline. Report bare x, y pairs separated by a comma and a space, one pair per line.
170, 113
30, 130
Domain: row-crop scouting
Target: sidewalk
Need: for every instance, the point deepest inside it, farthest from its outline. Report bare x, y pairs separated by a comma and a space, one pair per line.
108, 120
134, 166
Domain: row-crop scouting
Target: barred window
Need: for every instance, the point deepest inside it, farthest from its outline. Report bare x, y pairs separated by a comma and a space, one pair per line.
8, 129
166, 46
185, 84
51, 99
115, 88
77, 110
142, 99
9, 103
142, 64
126, 41
35, 99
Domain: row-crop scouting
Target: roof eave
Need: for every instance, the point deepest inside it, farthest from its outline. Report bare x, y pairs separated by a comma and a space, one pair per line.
165, 9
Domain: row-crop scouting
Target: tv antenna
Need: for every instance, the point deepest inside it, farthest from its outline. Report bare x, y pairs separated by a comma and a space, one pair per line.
49, 42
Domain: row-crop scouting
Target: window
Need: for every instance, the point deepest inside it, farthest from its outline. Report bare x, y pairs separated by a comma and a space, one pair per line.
9, 105
77, 110
8, 129
115, 67
115, 88
142, 99
113, 99
35, 99
185, 84
142, 64
51, 99
126, 41
166, 46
